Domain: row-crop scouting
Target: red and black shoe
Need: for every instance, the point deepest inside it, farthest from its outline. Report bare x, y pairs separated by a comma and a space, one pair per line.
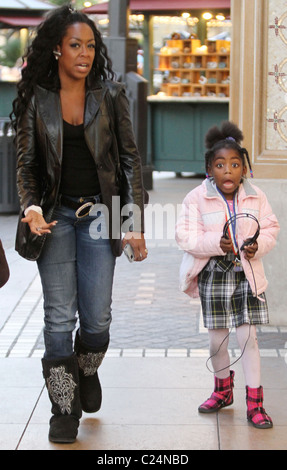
221, 397
256, 414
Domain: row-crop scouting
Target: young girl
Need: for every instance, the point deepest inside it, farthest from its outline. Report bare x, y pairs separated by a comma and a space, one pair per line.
223, 270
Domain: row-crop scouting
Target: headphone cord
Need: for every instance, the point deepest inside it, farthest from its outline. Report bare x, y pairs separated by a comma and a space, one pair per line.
231, 364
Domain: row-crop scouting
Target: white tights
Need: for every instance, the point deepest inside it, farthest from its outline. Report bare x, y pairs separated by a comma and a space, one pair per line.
250, 360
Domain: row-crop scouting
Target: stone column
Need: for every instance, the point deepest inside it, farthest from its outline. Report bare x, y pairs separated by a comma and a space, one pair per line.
122, 49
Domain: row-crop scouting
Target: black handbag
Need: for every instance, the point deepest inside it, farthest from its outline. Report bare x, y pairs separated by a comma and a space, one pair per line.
4, 268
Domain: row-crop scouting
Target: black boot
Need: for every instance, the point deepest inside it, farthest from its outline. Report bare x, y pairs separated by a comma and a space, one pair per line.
62, 382
90, 388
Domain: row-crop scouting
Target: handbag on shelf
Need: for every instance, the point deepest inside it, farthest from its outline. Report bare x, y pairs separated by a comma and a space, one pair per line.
4, 268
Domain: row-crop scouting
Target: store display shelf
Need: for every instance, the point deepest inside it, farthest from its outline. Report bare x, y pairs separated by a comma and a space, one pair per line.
189, 68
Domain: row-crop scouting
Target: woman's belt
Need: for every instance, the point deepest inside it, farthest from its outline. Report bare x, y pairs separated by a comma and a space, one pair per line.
82, 206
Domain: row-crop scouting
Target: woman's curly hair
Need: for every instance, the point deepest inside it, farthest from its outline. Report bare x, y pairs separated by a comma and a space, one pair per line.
229, 136
41, 68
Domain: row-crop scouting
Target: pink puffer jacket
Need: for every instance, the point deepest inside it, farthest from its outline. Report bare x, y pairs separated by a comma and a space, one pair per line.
200, 227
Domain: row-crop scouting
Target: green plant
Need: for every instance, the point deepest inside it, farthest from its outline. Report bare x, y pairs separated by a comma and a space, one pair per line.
10, 52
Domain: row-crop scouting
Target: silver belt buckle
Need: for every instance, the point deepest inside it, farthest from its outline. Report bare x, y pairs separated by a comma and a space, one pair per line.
82, 208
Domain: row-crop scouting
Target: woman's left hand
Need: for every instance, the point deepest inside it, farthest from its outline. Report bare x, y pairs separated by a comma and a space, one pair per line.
137, 242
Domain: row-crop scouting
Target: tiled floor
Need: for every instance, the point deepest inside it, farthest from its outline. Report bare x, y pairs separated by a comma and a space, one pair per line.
21, 334
154, 376
148, 404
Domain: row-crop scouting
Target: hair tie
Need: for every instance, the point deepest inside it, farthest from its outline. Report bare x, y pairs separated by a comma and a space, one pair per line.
230, 138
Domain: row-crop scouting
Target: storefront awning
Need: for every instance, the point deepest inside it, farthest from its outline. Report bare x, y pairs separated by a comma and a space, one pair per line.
163, 5
21, 21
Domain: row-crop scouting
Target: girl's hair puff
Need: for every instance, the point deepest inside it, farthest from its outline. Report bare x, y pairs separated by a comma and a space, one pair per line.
229, 136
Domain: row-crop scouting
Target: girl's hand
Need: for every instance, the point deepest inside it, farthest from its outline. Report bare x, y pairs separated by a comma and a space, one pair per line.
37, 223
250, 250
137, 242
226, 244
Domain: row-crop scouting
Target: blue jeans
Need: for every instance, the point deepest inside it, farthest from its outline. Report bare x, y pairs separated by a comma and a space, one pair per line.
76, 269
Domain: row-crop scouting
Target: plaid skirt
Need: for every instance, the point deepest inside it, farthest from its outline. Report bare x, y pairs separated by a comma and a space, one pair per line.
226, 297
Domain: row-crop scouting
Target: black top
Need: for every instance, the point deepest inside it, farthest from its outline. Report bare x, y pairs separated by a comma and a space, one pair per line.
79, 172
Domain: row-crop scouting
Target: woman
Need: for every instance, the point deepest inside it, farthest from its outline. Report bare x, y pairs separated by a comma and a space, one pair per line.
76, 157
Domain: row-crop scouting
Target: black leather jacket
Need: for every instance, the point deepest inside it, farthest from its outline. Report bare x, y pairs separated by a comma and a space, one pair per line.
110, 138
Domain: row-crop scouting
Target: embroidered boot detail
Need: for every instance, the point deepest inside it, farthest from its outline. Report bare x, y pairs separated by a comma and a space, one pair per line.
61, 387
62, 382
89, 363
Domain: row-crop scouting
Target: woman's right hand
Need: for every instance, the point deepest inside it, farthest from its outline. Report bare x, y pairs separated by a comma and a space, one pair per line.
37, 223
